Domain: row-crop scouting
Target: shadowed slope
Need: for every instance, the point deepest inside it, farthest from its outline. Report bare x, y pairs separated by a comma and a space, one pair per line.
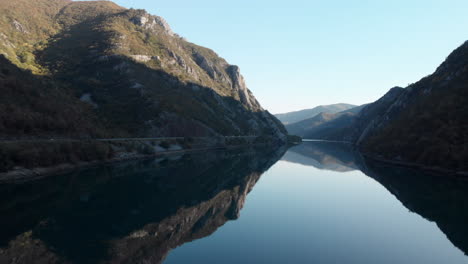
138, 77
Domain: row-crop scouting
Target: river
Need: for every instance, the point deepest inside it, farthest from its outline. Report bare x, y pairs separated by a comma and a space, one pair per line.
318, 202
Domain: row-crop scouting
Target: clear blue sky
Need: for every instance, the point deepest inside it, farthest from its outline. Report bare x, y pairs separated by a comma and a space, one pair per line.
299, 54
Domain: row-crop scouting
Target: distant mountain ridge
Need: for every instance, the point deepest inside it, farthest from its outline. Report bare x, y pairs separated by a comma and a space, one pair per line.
324, 124
293, 117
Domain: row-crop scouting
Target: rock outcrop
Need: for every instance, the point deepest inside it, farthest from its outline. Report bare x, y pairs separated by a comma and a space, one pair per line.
147, 21
146, 80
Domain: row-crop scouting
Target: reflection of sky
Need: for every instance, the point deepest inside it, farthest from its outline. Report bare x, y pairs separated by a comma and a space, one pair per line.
299, 214
308, 161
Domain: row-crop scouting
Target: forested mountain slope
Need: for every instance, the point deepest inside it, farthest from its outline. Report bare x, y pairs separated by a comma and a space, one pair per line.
425, 123
111, 71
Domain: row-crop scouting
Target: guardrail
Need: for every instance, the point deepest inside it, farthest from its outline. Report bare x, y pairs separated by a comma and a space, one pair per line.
42, 140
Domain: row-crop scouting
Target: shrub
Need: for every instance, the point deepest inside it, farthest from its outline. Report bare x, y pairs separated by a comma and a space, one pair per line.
145, 149
32, 155
5, 161
165, 144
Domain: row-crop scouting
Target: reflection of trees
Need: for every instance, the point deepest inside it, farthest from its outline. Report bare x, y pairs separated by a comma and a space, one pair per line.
131, 212
440, 199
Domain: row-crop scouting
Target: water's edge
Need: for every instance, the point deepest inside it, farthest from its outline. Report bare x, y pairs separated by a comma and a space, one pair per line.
20, 175
438, 171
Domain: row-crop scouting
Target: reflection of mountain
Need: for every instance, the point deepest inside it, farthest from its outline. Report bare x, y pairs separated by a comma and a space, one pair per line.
439, 199
323, 155
129, 213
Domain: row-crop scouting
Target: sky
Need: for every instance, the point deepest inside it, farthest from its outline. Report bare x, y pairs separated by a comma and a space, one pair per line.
299, 54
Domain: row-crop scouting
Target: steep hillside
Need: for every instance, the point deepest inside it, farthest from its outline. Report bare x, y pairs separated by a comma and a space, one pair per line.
40, 106
427, 123
25, 27
125, 71
370, 119
294, 117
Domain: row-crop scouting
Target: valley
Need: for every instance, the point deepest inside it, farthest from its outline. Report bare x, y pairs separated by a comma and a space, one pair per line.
124, 141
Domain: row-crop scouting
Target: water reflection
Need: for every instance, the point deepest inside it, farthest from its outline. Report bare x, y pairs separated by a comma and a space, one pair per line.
137, 212
128, 213
323, 155
437, 198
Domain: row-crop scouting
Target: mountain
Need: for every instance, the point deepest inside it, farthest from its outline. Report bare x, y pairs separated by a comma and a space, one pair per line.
370, 117
427, 123
95, 69
293, 117
324, 125
424, 123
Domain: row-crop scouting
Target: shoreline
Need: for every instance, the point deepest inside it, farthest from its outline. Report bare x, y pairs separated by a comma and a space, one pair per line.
439, 171
25, 175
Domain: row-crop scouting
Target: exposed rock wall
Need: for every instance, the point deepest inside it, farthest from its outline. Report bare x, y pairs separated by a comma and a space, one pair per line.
145, 79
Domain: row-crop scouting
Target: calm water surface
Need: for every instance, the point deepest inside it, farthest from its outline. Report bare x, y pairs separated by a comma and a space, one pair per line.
314, 203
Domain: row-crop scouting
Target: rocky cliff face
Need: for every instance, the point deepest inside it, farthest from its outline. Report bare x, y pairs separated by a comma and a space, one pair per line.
137, 75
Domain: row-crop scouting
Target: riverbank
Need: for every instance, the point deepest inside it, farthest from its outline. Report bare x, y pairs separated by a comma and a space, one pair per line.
429, 169
23, 174
439, 171
108, 152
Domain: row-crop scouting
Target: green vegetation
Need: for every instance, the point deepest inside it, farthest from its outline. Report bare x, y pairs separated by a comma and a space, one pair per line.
432, 132
431, 129
32, 155
25, 27
89, 48
46, 153
41, 107
165, 144
236, 141
92, 69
